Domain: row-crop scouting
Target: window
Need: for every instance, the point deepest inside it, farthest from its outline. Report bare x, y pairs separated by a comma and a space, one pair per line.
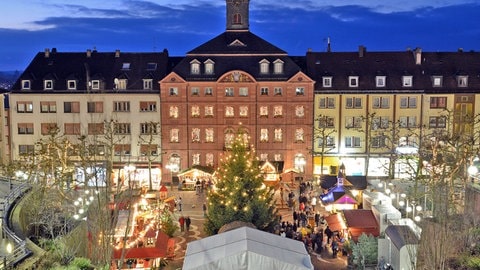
209, 66
354, 103
151, 66
264, 66
263, 111
408, 121
237, 18
326, 122
264, 156
121, 84
243, 111
277, 157
95, 84
329, 142
208, 91
195, 135
353, 81
48, 107
47, 85
327, 81
299, 111
209, 159
277, 111
122, 128
174, 135
229, 112
209, 135
299, 91
438, 102
122, 150
126, 66
299, 135
278, 66
380, 81
326, 103
95, 128
25, 128
147, 84
72, 85
208, 111
437, 122
353, 122
381, 122
195, 67
148, 128
173, 91
352, 141
25, 84
24, 107
121, 106
72, 128
195, 91
277, 91
381, 102
379, 141
407, 81
264, 135
278, 135
48, 128
195, 111
149, 150
148, 106
95, 107
264, 91
71, 107
437, 81
26, 149
407, 141
196, 159
243, 91
173, 112
229, 92
229, 137
462, 81
408, 102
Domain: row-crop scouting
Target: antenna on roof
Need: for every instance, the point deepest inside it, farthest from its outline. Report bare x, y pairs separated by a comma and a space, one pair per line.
329, 49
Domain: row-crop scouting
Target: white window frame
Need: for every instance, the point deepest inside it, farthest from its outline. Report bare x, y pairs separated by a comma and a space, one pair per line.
209, 66
26, 84
264, 66
327, 81
71, 84
380, 81
194, 67
147, 84
352, 142
278, 66
437, 81
48, 85
352, 81
407, 81
462, 81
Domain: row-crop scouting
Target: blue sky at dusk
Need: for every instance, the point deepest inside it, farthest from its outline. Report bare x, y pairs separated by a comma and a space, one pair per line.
29, 26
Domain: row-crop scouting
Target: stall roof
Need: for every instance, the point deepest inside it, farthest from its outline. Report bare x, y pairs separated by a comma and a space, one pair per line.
361, 221
335, 222
401, 235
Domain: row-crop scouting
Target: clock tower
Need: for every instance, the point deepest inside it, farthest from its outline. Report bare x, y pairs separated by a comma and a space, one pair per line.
237, 15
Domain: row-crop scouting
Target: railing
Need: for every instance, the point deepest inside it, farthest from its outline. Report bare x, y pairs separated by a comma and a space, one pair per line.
18, 250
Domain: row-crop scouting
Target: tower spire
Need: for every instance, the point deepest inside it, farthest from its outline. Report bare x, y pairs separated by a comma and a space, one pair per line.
237, 15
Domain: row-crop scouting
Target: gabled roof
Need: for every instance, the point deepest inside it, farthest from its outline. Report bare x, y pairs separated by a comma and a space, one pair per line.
401, 235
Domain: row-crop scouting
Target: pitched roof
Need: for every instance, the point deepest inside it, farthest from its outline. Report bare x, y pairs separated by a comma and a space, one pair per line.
401, 235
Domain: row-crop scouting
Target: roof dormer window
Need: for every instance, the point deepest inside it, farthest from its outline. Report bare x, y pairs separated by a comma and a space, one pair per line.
47, 84
278, 66
72, 84
95, 84
26, 85
380, 81
353, 81
462, 81
209, 66
126, 66
264, 66
195, 67
437, 81
327, 81
407, 81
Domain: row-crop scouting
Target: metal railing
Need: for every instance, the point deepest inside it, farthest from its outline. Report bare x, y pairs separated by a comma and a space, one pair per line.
18, 250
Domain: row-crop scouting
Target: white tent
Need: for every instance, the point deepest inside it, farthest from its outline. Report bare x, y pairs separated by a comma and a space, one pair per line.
246, 248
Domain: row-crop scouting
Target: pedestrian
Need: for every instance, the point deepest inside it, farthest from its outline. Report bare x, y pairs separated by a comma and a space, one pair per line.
317, 218
179, 204
181, 220
204, 210
187, 223
313, 202
329, 234
197, 187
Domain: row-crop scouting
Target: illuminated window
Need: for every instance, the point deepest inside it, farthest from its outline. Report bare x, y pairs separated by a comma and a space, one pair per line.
209, 111
278, 135
264, 111
195, 111
195, 135
229, 112
174, 135
264, 135
209, 135
173, 112
243, 111
277, 111
300, 111
299, 135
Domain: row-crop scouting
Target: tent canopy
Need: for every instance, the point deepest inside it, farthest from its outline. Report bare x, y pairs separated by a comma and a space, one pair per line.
246, 248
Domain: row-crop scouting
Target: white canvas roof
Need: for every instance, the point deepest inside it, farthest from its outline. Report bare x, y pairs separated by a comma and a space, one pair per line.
246, 248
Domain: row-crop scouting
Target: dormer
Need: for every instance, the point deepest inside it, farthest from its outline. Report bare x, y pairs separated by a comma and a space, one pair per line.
264, 66
26, 84
237, 15
437, 81
209, 66
278, 66
462, 81
194, 67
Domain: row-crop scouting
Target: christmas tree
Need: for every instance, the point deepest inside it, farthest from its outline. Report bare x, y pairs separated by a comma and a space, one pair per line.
239, 193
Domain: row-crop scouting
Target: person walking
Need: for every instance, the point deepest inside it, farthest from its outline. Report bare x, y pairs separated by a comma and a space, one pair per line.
329, 234
204, 210
181, 220
187, 223
179, 204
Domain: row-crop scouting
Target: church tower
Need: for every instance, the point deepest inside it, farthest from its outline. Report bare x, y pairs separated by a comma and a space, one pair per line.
237, 15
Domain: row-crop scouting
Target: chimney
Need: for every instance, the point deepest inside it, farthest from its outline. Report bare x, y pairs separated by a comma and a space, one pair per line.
47, 53
117, 53
89, 53
329, 47
361, 51
418, 56
460, 49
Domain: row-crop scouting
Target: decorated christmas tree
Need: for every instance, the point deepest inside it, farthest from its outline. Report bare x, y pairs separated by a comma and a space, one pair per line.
239, 193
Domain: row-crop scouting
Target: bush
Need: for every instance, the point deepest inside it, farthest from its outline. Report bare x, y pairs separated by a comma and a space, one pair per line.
81, 263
